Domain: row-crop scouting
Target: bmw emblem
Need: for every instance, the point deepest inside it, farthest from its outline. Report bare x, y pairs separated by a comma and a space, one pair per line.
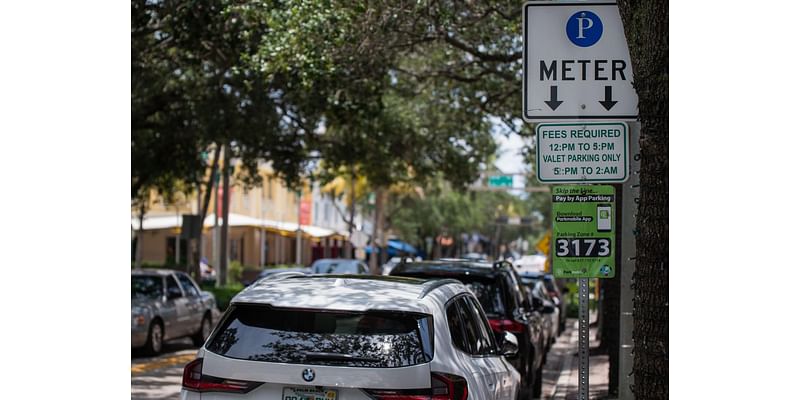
308, 374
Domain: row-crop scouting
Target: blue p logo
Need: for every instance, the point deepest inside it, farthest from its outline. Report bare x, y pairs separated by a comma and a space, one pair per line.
584, 28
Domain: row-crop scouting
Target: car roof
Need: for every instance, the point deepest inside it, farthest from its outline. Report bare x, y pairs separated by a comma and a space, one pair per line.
450, 268
153, 271
341, 260
342, 292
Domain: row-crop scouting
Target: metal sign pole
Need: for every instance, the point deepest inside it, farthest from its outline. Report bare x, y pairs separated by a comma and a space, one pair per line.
583, 339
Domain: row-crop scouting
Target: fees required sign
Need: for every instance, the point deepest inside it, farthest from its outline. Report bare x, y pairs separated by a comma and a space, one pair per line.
583, 232
582, 152
576, 63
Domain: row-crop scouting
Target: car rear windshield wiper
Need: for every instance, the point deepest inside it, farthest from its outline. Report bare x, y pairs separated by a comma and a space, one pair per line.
320, 356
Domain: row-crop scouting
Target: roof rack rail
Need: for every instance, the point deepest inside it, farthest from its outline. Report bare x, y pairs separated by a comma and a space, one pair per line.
283, 275
433, 284
497, 264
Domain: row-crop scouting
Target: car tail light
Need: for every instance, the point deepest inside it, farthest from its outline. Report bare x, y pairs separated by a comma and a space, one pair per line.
194, 380
506, 325
448, 387
443, 387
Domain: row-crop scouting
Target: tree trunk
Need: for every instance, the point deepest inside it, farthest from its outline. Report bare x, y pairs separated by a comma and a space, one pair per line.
140, 237
348, 247
204, 210
646, 28
377, 234
222, 277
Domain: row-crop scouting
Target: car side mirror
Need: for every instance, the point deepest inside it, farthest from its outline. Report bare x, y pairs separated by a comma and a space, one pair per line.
548, 309
510, 346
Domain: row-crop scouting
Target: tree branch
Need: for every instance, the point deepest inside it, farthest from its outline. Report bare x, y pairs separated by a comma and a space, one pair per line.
480, 54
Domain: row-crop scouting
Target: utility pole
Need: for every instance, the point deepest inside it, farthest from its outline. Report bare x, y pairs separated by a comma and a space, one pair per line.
200, 212
222, 277
178, 240
377, 232
261, 234
299, 239
215, 235
140, 237
348, 245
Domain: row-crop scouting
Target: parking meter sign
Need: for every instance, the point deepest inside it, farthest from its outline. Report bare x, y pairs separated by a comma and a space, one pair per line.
583, 232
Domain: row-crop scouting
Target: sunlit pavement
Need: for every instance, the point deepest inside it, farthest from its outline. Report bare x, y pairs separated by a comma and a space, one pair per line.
560, 376
160, 377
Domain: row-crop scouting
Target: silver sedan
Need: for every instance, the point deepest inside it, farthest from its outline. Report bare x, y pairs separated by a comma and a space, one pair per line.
167, 305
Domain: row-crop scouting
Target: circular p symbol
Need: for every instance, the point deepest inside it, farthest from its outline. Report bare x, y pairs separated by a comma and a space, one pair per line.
584, 28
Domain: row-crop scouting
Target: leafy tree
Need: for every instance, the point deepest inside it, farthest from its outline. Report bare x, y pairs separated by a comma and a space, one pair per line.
194, 87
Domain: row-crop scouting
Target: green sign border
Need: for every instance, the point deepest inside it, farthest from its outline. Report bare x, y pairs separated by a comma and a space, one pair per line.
625, 150
592, 264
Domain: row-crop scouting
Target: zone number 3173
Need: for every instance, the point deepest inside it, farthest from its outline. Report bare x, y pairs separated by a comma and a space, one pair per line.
583, 247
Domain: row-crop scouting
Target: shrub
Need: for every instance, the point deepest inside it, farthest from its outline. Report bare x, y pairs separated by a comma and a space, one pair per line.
224, 294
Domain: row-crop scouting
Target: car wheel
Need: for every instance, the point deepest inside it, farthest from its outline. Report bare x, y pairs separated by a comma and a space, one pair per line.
205, 329
155, 338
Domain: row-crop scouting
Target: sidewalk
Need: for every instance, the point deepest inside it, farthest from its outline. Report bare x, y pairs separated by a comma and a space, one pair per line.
562, 367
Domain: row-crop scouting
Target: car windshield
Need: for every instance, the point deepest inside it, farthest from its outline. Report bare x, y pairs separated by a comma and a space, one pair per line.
374, 339
146, 287
335, 267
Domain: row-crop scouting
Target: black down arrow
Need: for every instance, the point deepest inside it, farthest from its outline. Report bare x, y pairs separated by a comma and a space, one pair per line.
553, 103
608, 103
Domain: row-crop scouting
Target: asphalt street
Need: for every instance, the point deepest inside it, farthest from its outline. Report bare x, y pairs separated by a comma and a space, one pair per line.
160, 377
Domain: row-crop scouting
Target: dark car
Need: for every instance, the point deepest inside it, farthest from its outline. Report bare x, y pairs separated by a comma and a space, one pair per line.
556, 295
539, 296
167, 305
505, 303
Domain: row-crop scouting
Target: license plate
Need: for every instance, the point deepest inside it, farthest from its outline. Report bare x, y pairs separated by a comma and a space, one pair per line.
308, 393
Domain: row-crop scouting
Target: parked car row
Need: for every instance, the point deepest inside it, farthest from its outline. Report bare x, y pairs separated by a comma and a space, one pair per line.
453, 329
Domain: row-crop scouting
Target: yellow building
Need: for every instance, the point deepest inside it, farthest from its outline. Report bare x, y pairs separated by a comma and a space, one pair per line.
262, 230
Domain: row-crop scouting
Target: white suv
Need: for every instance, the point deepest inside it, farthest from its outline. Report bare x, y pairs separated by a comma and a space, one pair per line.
348, 337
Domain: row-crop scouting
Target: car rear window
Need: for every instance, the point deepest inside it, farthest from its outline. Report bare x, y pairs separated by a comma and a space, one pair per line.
487, 289
374, 339
550, 285
147, 287
489, 294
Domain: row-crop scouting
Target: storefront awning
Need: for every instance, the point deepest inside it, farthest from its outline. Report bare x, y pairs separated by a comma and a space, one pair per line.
174, 221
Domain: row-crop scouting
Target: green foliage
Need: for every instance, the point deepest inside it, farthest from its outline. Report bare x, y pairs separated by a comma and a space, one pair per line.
403, 90
445, 210
224, 294
235, 270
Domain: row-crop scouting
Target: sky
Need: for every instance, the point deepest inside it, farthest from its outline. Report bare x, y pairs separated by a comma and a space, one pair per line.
510, 160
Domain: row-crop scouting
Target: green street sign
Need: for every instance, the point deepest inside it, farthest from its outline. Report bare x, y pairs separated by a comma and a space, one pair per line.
583, 232
501, 181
